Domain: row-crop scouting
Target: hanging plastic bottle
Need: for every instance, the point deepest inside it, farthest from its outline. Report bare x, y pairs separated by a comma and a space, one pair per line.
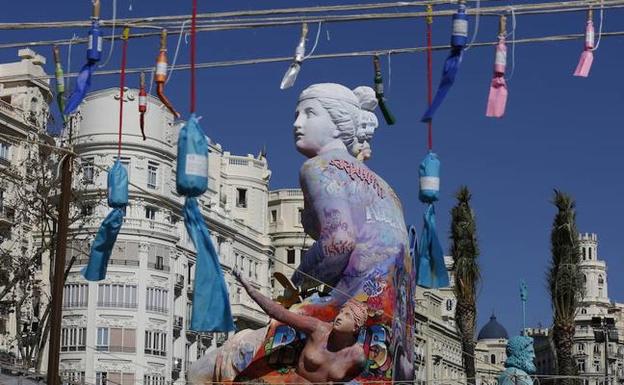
379, 92
60, 82
459, 39
142, 104
497, 98
587, 57
160, 77
94, 54
291, 74
431, 269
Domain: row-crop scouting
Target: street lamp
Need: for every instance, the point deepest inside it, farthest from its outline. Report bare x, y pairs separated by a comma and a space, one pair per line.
604, 330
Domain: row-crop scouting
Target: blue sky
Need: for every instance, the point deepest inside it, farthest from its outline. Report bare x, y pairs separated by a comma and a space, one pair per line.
559, 131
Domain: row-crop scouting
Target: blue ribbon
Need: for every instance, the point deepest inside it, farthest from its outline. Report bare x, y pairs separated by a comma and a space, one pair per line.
211, 304
106, 236
83, 81
452, 63
431, 268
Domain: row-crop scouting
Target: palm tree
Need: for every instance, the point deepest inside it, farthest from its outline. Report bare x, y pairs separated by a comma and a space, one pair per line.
465, 250
564, 282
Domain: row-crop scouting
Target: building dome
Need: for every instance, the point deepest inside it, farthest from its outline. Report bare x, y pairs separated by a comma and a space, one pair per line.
493, 330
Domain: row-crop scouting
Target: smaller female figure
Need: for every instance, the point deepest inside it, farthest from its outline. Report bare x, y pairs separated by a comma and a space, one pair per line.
331, 353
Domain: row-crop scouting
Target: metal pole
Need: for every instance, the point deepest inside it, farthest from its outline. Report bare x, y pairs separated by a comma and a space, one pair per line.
59, 271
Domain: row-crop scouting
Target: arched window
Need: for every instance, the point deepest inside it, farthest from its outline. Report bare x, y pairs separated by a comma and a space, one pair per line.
590, 253
449, 304
584, 253
583, 311
493, 359
581, 347
600, 280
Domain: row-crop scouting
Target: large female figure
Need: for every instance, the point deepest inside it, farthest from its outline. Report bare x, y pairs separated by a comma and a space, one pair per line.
360, 251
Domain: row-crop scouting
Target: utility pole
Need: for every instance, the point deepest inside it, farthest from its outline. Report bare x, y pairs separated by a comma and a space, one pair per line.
59, 271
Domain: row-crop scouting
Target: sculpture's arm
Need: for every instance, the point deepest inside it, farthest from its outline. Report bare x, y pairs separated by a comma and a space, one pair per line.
337, 231
274, 310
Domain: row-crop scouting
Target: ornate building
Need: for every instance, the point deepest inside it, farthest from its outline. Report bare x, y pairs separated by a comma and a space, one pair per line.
599, 360
24, 114
490, 351
133, 327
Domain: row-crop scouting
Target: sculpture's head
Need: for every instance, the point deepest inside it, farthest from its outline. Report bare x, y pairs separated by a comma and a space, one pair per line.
327, 112
520, 354
351, 318
365, 130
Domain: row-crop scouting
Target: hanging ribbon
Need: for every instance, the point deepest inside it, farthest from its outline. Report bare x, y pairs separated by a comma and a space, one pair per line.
60, 82
142, 104
587, 57
291, 74
379, 92
431, 268
497, 99
94, 54
106, 236
412, 236
211, 304
161, 74
451, 65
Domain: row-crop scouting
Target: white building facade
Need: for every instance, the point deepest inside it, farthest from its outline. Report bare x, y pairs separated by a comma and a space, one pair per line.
133, 327
24, 113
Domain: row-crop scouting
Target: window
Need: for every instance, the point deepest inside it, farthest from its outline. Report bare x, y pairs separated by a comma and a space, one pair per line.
73, 339
580, 347
156, 343
600, 280
273, 216
4, 151
100, 378
299, 215
86, 209
117, 295
122, 340
493, 359
156, 300
160, 263
75, 295
87, 170
241, 197
583, 311
597, 366
589, 250
290, 256
103, 340
302, 252
449, 304
256, 269
150, 213
152, 174
584, 253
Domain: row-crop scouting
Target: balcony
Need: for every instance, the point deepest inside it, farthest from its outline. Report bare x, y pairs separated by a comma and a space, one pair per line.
206, 339
158, 266
121, 349
189, 289
178, 322
118, 305
176, 368
179, 284
7, 216
156, 309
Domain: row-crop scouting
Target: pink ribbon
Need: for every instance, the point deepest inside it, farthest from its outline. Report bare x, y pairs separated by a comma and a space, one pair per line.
587, 57
497, 99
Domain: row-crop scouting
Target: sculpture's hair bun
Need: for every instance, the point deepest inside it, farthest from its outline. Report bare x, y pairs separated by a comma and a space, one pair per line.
366, 98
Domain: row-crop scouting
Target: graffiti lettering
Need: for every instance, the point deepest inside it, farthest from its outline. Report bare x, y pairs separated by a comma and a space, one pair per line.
361, 173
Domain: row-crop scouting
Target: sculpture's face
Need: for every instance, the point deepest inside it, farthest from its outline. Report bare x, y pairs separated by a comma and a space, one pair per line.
313, 127
345, 321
